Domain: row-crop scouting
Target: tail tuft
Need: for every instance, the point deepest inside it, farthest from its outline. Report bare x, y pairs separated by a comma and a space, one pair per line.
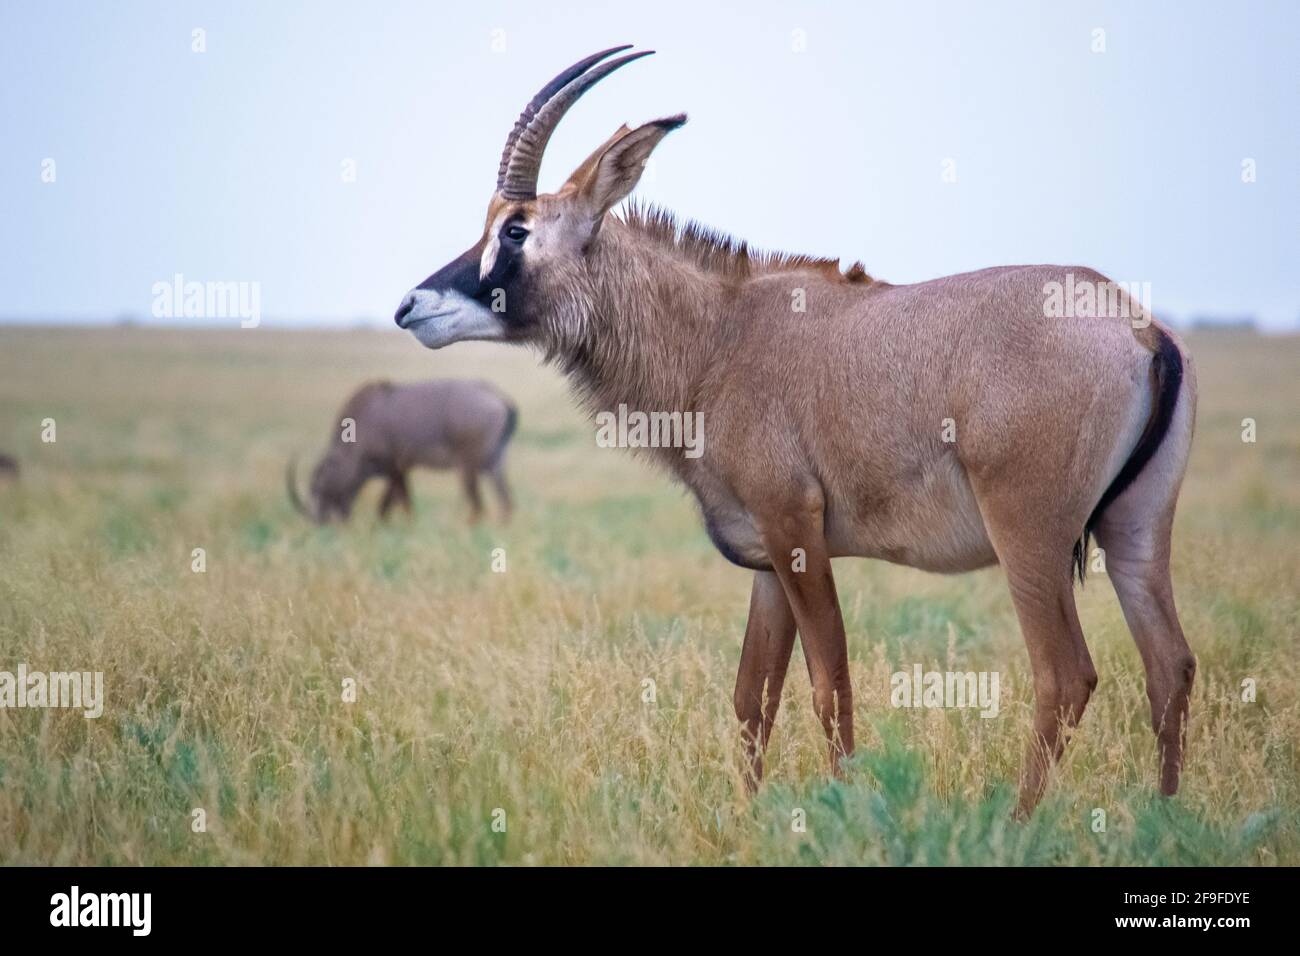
1080, 553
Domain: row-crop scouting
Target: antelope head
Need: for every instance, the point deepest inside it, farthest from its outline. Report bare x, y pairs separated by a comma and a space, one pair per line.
534, 249
335, 481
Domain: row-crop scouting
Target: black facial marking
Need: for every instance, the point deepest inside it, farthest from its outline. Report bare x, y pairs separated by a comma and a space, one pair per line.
460, 275
510, 256
506, 275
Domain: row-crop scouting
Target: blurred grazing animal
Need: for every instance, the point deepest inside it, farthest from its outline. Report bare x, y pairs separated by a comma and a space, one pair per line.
463, 425
946, 425
8, 466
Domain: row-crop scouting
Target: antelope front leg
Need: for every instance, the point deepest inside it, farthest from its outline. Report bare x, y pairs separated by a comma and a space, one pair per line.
796, 544
769, 639
395, 494
469, 482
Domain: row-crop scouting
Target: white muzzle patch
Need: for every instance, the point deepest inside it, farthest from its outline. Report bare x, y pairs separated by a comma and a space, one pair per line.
438, 319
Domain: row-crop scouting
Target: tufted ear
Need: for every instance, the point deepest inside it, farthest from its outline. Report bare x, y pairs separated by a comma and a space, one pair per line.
616, 170
580, 174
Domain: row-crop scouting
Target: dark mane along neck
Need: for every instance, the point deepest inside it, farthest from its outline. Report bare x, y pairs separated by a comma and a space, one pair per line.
725, 256
653, 308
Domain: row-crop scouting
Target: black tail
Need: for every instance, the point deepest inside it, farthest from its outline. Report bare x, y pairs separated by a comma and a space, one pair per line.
1167, 382
512, 422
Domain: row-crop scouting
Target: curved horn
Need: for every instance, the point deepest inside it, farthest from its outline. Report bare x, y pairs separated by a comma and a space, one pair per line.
559, 82
522, 159
291, 485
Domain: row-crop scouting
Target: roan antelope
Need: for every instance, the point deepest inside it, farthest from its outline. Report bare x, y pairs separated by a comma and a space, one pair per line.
384, 430
826, 428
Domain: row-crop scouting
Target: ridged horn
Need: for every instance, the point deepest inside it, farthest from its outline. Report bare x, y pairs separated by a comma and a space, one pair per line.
521, 161
291, 485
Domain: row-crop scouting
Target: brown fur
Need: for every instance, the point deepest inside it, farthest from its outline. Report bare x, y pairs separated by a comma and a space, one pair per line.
825, 429
715, 252
461, 425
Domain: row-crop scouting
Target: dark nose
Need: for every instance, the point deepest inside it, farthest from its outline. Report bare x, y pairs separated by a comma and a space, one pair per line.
403, 311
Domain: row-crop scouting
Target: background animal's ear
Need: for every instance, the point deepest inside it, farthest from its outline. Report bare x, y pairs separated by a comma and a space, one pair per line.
619, 166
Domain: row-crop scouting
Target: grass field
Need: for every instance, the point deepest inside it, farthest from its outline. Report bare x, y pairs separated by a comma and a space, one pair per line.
521, 696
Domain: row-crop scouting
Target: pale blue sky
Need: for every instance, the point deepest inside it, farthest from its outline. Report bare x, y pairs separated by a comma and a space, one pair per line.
226, 165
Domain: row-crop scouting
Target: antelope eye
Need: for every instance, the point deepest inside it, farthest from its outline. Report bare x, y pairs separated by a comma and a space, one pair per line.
516, 233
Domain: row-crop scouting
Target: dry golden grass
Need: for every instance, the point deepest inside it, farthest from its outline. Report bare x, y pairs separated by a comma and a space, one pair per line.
524, 691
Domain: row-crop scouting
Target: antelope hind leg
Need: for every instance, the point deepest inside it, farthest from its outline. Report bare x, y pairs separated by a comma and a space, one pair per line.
1036, 556
1135, 532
